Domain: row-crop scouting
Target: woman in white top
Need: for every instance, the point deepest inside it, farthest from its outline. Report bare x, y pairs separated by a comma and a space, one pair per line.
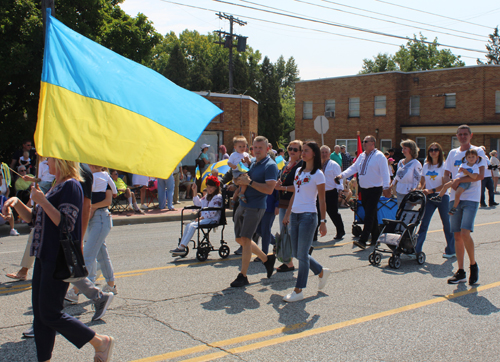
431, 183
46, 177
309, 183
495, 172
409, 170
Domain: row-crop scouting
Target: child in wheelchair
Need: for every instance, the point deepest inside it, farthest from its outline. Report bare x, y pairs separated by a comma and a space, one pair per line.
213, 198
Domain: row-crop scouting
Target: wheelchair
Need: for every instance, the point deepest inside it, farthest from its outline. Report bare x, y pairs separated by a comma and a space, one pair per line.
202, 245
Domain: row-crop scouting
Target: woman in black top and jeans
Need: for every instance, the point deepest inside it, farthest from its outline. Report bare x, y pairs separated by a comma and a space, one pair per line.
286, 188
65, 197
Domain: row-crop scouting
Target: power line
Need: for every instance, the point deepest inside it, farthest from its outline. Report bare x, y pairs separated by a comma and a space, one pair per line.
345, 26
426, 12
296, 26
399, 18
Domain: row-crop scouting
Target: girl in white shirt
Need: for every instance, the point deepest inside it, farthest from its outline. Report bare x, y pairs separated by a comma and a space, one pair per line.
309, 183
431, 183
212, 199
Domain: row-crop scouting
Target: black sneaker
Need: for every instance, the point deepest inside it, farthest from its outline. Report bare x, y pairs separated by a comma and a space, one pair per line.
240, 281
101, 305
360, 244
239, 251
474, 274
458, 277
269, 264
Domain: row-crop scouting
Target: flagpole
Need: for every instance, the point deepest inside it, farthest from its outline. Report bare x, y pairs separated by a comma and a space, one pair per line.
46, 4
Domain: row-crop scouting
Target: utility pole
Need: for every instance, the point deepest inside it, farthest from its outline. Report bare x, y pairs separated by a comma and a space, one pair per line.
228, 43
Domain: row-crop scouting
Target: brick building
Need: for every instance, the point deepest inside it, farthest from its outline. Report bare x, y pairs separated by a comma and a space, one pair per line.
426, 106
239, 117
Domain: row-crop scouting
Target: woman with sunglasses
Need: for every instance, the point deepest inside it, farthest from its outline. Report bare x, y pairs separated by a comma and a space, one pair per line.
431, 183
286, 188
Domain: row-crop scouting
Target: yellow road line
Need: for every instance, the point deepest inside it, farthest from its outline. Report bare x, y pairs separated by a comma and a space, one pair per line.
308, 333
11, 290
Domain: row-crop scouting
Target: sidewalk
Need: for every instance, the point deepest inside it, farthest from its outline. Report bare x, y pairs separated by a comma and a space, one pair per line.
153, 215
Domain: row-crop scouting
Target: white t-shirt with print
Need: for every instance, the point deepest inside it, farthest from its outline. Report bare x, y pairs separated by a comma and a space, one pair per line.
472, 169
433, 175
306, 191
408, 176
236, 157
453, 163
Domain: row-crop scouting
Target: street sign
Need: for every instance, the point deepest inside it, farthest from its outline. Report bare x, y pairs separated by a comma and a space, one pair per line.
321, 125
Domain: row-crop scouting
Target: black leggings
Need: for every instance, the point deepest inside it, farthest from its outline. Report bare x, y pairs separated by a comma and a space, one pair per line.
48, 303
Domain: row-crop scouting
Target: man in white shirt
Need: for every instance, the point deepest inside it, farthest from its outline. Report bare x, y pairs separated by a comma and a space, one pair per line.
331, 170
374, 178
462, 221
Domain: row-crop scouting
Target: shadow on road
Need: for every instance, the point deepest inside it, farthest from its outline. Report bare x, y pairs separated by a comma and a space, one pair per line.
231, 300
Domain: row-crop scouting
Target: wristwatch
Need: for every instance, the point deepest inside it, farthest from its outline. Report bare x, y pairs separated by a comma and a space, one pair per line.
323, 220
251, 182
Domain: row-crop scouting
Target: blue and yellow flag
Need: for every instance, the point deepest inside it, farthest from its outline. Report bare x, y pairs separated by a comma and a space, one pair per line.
101, 108
242, 168
197, 172
280, 162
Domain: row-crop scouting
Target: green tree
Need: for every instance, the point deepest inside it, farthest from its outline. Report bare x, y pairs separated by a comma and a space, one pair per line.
414, 56
493, 47
176, 68
380, 63
270, 117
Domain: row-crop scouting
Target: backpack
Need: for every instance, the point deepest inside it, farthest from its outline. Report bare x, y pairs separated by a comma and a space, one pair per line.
200, 162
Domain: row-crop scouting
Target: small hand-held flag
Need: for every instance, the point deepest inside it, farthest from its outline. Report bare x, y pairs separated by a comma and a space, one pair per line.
101, 108
6, 174
197, 173
280, 162
242, 168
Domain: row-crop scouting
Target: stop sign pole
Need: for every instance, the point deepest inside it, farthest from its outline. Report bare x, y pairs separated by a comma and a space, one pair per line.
321, 125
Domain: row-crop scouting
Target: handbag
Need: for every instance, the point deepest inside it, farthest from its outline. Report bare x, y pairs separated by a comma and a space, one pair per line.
283, 245
70, 265
283, 204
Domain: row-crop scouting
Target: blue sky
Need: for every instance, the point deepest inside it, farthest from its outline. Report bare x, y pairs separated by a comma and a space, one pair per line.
322, 55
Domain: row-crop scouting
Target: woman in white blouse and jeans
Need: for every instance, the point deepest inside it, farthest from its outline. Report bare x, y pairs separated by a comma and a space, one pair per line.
409, 170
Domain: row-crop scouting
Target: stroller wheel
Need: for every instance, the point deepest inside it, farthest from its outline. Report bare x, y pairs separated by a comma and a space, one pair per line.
371, 259
420, 258
224, 251
377, 258
397, 262
391, 262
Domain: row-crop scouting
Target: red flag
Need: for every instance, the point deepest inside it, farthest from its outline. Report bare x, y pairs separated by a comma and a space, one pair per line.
360, 151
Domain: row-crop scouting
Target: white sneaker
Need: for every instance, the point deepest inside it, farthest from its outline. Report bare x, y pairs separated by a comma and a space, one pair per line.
144, 207
71, 296
322, 281
293, 297
108, 289
13, 232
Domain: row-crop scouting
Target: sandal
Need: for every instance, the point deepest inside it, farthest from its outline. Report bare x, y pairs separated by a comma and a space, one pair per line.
283, 268
105, 355
16, 276
452, 211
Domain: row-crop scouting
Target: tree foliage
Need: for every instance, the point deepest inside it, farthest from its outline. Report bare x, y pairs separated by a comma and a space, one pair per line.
414, 56
493, 47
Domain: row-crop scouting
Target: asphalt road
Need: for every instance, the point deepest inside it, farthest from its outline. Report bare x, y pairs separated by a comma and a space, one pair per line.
183, 310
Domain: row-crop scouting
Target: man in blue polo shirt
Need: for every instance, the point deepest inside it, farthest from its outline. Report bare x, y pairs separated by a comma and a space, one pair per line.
261, 179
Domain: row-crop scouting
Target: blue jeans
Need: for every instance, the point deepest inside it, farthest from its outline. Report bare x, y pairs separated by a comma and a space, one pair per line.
443, 208
302, 227
166, 198
264, 230
95, 249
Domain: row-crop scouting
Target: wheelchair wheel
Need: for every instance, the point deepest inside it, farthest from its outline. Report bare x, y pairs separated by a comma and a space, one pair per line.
420, 258
224, 251
203, 251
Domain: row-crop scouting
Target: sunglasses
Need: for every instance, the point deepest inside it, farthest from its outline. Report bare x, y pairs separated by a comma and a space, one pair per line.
433, 149
294, 149
367, 141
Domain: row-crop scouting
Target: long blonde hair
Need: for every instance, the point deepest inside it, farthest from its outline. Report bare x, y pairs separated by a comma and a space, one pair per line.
67, 169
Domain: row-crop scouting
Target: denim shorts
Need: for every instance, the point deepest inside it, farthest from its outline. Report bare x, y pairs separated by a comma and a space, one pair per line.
464, 217
246, 220
464, 185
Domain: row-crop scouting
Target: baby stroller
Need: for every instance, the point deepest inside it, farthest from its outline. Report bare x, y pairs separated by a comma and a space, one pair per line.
203, 247
399, 236
386, 208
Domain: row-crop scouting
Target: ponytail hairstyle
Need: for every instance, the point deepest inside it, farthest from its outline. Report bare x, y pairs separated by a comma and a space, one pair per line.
317, 157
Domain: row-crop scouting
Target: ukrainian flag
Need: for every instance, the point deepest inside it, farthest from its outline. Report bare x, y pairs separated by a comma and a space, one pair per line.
280, 162
100, 108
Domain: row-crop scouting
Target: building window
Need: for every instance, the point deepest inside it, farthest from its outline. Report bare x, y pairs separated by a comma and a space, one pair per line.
307, 110
385, 145
454, 142
350, 145
450, 100
354, 107
420, 141
330, 107
415, 106
380, 109
497, 102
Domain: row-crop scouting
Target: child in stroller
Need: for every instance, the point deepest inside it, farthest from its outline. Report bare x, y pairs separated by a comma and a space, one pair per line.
400, 236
